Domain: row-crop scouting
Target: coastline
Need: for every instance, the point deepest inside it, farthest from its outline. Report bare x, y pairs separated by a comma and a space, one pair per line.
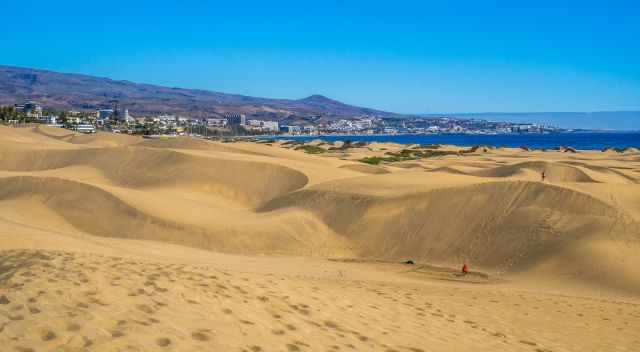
588, 141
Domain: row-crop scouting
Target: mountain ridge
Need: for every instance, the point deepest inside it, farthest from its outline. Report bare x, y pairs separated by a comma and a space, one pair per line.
56, 90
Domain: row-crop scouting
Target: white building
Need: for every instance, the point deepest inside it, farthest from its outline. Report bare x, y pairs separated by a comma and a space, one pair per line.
85, 129
127, 118
104, 114
236, 119
49, 120
294, 129
271, 126
30, 108
167, 118
217, 122
264, 126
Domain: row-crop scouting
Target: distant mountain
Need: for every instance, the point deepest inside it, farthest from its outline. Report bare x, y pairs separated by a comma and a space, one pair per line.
75, 91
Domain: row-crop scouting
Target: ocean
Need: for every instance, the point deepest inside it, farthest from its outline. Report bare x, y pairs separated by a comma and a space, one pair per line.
584, 141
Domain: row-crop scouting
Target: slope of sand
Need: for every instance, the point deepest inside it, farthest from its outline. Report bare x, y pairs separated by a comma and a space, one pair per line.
118, 243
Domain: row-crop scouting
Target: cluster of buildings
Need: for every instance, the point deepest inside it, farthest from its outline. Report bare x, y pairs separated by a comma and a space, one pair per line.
120, 120
416, 125
423, 125
363, 125
263, 127
30, 108
166, 124
34, 111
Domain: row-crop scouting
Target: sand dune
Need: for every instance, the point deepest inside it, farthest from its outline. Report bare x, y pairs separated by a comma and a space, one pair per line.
114, 242
25, 138
366, 169
53, 132
82, 206
621, 176
190, 143
102, 140
526, 224
556, 172
447, 169
138, 167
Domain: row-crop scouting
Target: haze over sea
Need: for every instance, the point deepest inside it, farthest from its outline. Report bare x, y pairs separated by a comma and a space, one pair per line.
582, 140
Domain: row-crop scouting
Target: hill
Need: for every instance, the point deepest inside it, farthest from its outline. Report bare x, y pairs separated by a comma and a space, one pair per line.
75, 91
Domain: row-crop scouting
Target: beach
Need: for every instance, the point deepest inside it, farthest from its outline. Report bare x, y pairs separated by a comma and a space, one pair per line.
113, 242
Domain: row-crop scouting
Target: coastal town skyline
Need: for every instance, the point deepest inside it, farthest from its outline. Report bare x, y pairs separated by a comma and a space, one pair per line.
106, 103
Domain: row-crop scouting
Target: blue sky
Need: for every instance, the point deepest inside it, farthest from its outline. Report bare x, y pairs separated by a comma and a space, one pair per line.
402, 56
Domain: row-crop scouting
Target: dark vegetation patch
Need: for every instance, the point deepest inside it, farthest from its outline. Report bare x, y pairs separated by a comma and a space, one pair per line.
311, 149
408, 154
292, 143
372, 160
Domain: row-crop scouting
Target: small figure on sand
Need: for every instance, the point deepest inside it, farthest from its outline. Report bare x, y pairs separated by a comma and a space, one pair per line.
543, 175
465, 269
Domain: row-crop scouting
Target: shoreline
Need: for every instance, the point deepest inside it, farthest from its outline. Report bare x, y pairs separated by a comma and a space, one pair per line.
584, 141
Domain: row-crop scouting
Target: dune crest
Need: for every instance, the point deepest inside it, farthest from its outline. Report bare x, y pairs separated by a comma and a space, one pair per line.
555, 172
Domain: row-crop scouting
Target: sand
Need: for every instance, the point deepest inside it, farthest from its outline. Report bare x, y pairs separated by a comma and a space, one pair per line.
118, 243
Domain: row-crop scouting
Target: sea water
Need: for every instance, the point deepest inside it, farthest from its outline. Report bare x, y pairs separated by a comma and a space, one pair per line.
584, 141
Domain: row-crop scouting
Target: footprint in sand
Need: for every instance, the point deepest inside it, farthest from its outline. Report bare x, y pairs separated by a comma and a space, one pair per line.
24, 349
330, 324
528, 343
292, 348
73, 327
47, 335
200, 336
163, 342
145, 308
78, 343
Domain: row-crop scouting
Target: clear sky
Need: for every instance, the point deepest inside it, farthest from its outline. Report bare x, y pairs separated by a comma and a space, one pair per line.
401, 56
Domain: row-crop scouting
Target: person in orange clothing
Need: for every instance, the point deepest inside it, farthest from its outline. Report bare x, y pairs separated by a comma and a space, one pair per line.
465, 269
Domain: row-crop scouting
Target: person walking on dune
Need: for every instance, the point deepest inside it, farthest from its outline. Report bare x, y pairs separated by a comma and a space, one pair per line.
465, 269
543, 175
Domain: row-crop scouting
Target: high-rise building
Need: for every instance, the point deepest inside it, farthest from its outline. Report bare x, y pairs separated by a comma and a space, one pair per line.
236, 119
105, 114
127, 118
30, 108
